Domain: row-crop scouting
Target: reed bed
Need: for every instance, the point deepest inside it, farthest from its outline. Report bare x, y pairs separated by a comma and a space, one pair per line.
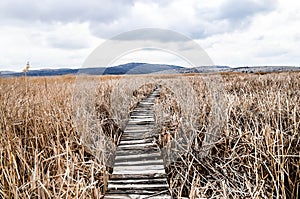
58, 134
41, 153
246, 147
222, 136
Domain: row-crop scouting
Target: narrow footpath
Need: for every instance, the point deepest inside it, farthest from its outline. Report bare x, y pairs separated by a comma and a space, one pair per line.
139, 169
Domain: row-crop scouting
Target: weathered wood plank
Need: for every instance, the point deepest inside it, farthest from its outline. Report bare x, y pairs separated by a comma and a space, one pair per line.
137, 137
138, 148
145, 111
139, 156
138, 129
138, 176
132, 128
141, 181
136, 141
152, 171
132, 191
145, 145
136, 151
131, 137
141, 122
138, 186
147, 119
135, 168
153, 162
137, 116
135, 196
137, 133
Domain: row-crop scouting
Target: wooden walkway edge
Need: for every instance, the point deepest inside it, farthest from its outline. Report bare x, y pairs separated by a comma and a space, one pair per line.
138, 168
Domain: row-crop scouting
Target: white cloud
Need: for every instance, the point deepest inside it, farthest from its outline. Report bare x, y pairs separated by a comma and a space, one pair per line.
62, 33
152, 56
236, 10
271, 39
65, 11
44, 46
69, 36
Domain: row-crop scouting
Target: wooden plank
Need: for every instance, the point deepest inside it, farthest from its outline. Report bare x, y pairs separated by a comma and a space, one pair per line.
141, 122
135, 169
137, 152
147, 101
159, 161
136, 196
139, 168
140, 181
130, 191
138, 159
141, 117
137, 116
135, 141
140, 134
138, 186
137, 145
137, 136
137, 132
149, 171
132, 127
140, 110
127, 138
145, 120
137, 129
140, 150
138, 176
139, 156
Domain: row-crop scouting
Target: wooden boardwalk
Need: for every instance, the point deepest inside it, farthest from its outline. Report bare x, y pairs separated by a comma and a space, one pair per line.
138, 169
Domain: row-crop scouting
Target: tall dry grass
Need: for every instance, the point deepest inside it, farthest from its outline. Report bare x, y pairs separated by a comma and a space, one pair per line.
58, 134
41, 153
238, 140
250, 150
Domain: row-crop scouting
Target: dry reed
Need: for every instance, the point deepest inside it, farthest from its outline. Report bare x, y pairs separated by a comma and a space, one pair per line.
257, 151
58, 134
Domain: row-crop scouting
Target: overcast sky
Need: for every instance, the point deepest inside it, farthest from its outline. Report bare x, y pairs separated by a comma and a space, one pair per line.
56, 33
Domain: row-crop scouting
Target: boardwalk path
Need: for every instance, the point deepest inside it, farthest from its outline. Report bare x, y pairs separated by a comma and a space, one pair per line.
138, 170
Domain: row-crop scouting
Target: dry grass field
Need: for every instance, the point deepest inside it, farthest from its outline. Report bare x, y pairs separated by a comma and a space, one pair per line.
249, 148
222, 136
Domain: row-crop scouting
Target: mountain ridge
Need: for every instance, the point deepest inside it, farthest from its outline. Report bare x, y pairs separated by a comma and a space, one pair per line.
147, 68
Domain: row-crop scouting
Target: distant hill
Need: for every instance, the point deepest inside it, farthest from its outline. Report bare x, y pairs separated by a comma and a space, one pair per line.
145, 68
205, 69
5, 72
129, 68
43, 72
140, 68
264, 69
246, 69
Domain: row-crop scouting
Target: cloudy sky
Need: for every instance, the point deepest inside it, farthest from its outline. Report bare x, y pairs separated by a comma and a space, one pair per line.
57, 33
